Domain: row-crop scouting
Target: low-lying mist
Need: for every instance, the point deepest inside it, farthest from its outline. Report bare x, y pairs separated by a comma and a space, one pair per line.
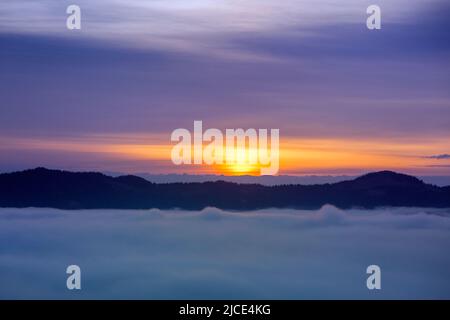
213, 254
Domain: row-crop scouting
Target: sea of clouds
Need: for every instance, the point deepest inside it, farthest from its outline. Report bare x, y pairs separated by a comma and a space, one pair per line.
212, 254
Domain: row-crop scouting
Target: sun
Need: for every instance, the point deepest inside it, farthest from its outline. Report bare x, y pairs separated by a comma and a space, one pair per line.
242, 168
242, 165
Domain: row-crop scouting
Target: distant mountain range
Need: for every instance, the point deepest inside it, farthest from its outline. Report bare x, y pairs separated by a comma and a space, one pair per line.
265, 180
92, 190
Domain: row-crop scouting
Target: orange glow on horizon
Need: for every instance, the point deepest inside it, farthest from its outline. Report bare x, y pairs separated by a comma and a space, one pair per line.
151, 153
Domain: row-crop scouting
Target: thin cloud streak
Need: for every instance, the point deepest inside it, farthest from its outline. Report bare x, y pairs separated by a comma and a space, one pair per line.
439, 156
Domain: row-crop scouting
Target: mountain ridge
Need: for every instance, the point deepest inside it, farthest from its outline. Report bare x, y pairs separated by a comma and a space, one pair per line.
41, 187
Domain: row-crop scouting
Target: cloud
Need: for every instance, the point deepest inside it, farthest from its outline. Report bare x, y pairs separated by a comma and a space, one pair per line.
215, 254
158, 64
201, 26
439, 156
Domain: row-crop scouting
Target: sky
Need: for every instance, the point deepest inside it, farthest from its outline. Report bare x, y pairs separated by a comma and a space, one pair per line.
214, 254
347, 100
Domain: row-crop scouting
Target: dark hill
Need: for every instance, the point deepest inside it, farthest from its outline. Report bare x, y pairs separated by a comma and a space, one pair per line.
387, 179
88, 190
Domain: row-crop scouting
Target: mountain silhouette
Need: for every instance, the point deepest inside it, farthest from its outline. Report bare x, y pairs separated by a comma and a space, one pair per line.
42, 187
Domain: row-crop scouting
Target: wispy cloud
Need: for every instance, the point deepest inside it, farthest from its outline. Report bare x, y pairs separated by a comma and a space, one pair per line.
200, 26
439, 156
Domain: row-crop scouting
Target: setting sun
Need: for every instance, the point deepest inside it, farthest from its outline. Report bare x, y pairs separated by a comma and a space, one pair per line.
244, 163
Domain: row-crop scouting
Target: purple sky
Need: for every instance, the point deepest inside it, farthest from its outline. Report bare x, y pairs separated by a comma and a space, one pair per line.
145, 68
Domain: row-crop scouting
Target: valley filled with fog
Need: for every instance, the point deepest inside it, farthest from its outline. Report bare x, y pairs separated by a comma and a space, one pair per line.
214, 254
